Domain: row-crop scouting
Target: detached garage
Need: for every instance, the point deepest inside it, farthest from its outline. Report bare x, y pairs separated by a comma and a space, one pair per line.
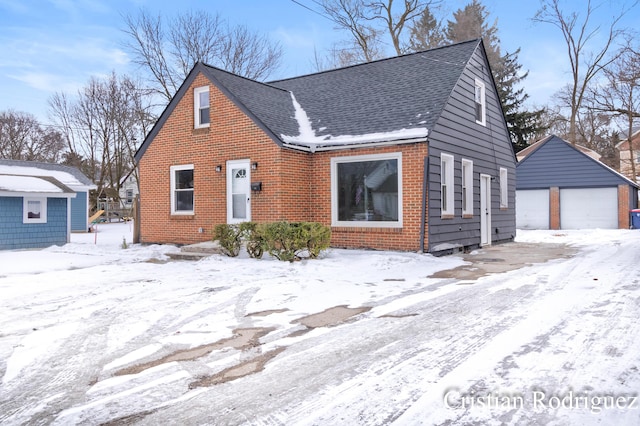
560, 187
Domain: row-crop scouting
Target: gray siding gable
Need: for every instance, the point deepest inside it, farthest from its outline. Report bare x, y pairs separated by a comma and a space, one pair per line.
489, 147
556, 163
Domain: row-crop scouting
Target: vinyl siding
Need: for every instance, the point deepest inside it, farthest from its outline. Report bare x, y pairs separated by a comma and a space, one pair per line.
17, 235
489, 147
558, 164
79, 212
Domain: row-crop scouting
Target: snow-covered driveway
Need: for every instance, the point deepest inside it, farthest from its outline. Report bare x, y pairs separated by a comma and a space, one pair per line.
94, 333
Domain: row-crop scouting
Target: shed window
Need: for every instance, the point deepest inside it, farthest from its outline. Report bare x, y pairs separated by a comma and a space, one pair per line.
34, 210
201, 107
467, 187
504, 188
446, 184
480, 102
366, 190
182, 188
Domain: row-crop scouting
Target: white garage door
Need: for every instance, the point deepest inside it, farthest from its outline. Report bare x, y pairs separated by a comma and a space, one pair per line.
532, 209
589, 208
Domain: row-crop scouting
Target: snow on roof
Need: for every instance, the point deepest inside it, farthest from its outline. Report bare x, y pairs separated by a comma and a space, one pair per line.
31, 184
63, 177
307, 136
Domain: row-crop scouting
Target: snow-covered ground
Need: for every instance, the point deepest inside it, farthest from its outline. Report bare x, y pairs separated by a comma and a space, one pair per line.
93, 332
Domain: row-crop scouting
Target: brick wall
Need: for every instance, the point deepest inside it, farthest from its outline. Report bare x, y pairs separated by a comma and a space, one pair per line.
623, 207
295, 185
14, 234
554, 208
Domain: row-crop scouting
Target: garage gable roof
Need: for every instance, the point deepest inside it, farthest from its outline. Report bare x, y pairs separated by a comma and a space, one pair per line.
558, 163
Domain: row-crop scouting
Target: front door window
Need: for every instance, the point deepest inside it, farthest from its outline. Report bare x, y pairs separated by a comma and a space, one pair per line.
238, 192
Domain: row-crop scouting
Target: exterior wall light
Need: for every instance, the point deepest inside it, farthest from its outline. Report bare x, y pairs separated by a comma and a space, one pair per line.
254, 166
218, 168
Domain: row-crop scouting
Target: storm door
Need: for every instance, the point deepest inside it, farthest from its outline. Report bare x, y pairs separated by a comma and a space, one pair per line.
238, 191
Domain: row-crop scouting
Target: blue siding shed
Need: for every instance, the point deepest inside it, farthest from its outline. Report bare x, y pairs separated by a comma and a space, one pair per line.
71, 177
34, 212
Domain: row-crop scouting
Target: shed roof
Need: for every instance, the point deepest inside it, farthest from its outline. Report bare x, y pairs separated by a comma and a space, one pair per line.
68, 176
36, 185
389, 100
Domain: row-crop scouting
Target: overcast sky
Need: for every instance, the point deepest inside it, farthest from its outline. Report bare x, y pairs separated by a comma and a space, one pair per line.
57, 45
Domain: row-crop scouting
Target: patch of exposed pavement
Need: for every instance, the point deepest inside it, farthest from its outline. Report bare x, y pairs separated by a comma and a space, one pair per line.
503, 258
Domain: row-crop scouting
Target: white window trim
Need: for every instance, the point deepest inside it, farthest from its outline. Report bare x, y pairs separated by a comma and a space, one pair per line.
483, 101
447, 204
196, 107
504, 188
334, 193
43, 210
467, 183
173, 170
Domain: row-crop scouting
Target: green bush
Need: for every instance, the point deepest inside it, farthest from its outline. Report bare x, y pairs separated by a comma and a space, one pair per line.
295, 241
229, 237
288, 241
253, 235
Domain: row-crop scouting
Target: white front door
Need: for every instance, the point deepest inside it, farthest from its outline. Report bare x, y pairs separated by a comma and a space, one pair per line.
238, 191
485, 210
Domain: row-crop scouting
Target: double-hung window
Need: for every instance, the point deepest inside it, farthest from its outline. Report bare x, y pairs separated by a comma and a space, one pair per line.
467, 187
504, 188
480, 102
34, 210
182, 188
366, 190
201, 107
446, 185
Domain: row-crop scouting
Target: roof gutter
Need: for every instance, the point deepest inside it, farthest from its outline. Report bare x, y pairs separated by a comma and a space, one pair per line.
301, 146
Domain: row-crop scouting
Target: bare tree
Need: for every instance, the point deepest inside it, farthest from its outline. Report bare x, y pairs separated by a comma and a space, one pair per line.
368, 22
586, 56
620, 95
168, 54
23, 138
103, 127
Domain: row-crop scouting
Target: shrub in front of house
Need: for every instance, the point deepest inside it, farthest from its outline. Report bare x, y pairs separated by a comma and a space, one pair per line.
229, 237
283, 240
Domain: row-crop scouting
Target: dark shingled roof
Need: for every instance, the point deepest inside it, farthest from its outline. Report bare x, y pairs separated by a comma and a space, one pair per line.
381, 97
404, 92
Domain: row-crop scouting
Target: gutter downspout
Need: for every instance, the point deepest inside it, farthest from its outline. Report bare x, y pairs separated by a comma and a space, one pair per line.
425, 176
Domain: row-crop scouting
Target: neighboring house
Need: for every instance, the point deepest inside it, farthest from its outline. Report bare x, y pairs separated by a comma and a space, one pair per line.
68, 176
406, 153
128, 190
34, 212
625, 156
561, 187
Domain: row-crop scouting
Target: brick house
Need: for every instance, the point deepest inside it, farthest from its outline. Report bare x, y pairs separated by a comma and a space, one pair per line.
625, 156
407, 153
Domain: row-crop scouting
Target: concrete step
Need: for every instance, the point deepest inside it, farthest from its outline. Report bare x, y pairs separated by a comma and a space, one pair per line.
211, 247
197, 251
184, 255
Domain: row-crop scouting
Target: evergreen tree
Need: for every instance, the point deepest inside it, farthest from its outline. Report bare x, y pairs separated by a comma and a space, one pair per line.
426, 32
523, 125
471, 22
